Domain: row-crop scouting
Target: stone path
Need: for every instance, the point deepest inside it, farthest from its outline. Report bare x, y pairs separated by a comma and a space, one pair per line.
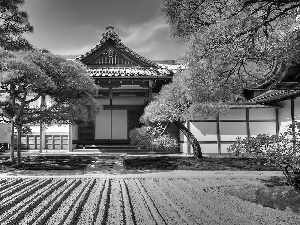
106, 165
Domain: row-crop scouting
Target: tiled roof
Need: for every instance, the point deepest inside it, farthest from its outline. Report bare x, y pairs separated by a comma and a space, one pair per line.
246, 105
128, 71
274, 95
110, 34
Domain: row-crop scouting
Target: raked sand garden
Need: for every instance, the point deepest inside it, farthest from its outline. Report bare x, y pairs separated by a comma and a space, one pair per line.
136, 197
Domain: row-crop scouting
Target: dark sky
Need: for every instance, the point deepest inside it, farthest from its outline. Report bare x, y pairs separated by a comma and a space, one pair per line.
72, 27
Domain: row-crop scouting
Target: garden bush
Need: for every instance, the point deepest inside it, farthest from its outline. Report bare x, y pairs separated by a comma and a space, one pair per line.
152, 138
282, 149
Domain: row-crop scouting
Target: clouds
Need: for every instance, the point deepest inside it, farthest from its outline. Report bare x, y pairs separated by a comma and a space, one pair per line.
76, 26
151, 39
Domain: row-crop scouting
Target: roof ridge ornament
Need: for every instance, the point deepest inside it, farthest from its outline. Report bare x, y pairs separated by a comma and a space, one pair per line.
110, 33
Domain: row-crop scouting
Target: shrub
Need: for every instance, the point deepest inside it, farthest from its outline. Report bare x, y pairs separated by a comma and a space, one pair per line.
152, 138
165, 142
282, 149
141, 137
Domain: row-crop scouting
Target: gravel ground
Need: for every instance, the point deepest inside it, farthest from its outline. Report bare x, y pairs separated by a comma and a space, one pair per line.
133, 201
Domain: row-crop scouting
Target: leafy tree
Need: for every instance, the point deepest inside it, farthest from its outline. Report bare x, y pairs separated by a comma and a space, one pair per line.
232, 45
26, 76
254, 16
13, 23
186, 98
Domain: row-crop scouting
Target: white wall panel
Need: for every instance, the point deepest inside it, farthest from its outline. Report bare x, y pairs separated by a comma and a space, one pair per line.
297, 109
103, 101
229, 131
204, 131
262, 114
103, 125
183, 148
262, 128
52, 129
208, 148
119, 124
234, 114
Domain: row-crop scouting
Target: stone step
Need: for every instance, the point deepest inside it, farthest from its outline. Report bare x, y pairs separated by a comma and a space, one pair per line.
111, 150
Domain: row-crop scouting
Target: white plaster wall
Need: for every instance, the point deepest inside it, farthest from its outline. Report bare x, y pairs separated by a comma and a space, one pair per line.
204, 131
52, 129
297, 109
262, 114
234, 114
103, 101
208, 148
262, 128
285, 115
229, 131
183, 148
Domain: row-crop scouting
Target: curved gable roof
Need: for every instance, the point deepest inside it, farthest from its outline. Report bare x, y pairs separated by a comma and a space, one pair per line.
111, 36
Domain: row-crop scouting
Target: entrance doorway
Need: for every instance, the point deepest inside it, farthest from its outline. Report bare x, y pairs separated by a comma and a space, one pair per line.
111, 125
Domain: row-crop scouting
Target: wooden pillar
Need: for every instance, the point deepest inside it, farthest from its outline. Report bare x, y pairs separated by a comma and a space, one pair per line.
218, 135
70, 139
188, 125
277, 121
150, 89
42, 130
248, 122
293, 121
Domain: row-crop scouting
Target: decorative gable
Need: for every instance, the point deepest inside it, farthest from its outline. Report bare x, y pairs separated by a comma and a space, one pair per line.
112, 52
111, 57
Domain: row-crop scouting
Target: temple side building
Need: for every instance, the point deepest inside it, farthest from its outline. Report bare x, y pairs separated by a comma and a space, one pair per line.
269, 109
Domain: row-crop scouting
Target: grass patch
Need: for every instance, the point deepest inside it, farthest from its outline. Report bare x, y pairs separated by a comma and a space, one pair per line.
190, 163
48, 163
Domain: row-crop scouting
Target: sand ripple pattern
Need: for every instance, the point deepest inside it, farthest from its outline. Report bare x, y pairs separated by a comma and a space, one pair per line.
96, 201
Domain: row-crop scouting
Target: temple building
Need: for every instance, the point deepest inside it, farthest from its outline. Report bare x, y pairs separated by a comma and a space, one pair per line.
127, 81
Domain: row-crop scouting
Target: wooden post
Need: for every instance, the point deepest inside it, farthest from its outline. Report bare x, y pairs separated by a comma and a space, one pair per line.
293, 122
248, 122
42, 130
277, 121
218, 135
188, 125
12, 142
70, 138
150, 89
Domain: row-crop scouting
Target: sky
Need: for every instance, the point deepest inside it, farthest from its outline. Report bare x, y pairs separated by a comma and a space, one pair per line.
73, 27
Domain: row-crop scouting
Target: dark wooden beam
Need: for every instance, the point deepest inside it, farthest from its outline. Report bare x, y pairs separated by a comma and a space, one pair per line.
218, 135
277, 121
188, 143
248, 122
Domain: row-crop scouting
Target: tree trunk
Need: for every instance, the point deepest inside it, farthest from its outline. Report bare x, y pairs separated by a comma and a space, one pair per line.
12, 142
191, 138
19, 157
